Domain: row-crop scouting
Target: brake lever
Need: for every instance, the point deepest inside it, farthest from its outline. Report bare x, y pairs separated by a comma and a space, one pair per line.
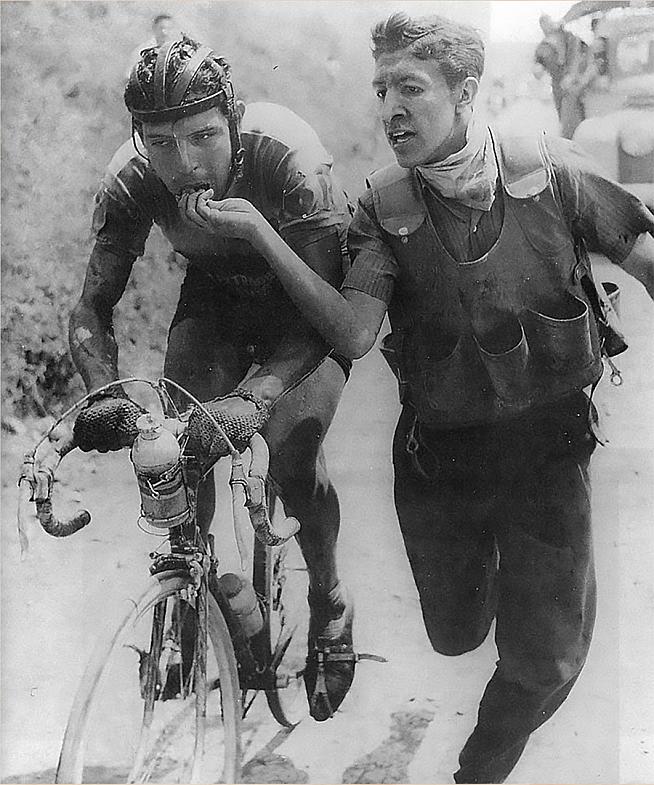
265, 531
36, 479
238, 482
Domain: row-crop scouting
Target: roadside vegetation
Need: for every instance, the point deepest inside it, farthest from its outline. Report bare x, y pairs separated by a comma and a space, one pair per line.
63, 71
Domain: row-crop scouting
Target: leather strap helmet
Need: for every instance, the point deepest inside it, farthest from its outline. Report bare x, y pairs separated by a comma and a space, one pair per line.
171, 82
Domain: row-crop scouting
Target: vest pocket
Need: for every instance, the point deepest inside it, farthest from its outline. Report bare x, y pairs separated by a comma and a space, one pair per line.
454, 383
444, 381
505, 355
560, 335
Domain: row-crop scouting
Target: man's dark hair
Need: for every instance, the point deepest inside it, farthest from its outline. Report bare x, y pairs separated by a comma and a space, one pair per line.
208, 79
458, 49
161, 18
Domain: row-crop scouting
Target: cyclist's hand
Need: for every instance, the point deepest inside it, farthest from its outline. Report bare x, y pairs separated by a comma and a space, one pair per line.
108, 423
240, 414
235, 218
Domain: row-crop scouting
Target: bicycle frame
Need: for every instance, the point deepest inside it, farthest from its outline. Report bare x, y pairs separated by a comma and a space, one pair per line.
189, 553
190, 564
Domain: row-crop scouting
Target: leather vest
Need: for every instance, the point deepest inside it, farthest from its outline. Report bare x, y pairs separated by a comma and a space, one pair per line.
481, 341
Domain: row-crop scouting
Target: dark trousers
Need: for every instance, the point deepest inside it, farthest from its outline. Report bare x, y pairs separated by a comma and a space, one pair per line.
496, 524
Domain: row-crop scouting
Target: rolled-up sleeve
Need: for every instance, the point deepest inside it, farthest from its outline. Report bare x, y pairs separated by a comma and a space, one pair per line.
605, 215
312, 205
373, 268
116, 228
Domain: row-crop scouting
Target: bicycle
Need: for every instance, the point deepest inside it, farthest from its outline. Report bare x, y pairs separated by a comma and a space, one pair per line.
174, 715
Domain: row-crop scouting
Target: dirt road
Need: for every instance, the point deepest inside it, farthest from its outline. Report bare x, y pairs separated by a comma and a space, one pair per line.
406, 720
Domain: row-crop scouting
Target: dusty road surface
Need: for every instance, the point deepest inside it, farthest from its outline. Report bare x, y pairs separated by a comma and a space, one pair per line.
406, 720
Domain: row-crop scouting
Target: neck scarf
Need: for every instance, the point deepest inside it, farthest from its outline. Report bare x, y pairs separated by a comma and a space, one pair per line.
470, 174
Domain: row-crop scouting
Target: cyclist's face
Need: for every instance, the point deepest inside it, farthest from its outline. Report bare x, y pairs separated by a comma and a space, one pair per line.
192, 153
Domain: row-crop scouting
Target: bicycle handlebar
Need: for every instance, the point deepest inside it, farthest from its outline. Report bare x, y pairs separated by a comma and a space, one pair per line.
56, 527
255, 501
35, 484
248, 490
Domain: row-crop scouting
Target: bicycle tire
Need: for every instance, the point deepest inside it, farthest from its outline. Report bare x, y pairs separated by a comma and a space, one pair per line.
120, 755
280, 580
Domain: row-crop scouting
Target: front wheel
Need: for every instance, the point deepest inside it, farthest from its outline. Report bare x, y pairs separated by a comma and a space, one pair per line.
128, 724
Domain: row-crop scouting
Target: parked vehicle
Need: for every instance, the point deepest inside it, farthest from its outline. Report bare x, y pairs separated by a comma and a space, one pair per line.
619, 102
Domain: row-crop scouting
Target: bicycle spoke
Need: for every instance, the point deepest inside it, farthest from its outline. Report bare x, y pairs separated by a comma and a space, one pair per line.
247, 704
282, 582
283, 642
135, 733
199, 673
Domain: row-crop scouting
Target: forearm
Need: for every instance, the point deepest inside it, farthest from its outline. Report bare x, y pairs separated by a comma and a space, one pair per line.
323, 306
295, 357
640, 262
93, 347
90, 330
309, 279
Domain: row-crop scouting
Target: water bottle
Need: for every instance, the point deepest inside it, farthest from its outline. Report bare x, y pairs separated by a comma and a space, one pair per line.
243, 602
156, 458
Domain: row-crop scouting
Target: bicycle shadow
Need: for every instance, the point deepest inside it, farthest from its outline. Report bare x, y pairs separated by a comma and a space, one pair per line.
388, 762
267, 767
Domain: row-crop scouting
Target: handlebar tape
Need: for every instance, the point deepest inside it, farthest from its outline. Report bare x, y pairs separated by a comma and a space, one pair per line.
54, 526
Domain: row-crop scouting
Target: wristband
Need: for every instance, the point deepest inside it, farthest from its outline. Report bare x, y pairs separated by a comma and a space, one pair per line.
248, 395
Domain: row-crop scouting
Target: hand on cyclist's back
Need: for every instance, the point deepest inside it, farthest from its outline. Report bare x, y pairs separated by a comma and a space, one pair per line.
240, 414
107, 424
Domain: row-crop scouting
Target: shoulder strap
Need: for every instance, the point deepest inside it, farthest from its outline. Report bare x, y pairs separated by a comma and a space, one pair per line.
524, 164
398, 204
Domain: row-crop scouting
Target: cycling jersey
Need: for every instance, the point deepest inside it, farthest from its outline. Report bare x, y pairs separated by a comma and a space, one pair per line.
287, 177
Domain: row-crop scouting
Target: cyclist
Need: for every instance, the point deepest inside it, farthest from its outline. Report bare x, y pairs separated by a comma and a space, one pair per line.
236, 339
473, 241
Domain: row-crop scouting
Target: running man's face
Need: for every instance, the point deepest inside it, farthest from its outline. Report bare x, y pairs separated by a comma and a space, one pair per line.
417, 108
192, 153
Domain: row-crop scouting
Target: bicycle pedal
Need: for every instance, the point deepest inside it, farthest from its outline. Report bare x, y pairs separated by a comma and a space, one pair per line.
372, 657
347, 656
